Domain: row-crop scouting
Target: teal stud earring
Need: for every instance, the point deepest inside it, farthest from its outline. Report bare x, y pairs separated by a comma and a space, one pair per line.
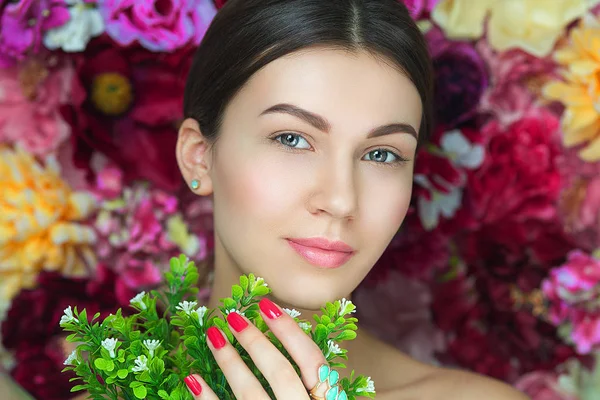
195, 184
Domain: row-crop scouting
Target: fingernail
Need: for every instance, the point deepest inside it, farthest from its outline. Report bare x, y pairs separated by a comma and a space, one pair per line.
193, 384
269, 308
236, 321
215, 337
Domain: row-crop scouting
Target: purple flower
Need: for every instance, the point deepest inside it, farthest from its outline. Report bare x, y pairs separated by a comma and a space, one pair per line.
460, 79
158, 25
22, 25
419, 7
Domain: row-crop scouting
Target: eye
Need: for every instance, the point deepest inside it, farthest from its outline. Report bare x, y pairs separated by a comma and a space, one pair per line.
383, 156
292, 140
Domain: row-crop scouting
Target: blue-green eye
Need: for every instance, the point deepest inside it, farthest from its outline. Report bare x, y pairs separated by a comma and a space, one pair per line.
383, 156
293, 140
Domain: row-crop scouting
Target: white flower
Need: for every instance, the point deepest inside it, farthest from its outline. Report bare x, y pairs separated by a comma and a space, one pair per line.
187, 306
138, 300
201, 311
141, 364
292, 313
333, 347
305, 326
151, 345
227, 312
68, 317
110, 344
370, 387
72, 357
261, 281
458, 148
84, 23
347, 307
445, 204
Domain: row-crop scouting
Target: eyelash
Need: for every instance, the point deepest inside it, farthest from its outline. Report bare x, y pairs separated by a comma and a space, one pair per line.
399, 159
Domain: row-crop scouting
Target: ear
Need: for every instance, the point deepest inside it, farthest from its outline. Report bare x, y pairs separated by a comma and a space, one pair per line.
193, 156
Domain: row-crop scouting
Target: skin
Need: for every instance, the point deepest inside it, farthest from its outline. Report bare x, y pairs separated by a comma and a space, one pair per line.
324, 183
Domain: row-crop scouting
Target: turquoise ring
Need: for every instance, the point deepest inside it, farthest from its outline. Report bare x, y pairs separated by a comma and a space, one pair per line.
331, 378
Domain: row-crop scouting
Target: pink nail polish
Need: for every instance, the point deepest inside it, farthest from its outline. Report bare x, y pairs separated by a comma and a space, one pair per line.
269, 308
193, 384
215, 337
237, 322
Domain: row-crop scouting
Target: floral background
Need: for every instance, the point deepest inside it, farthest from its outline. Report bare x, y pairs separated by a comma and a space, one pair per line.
496, 268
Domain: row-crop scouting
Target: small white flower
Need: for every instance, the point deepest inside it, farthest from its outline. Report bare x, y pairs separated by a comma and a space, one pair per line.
292, 313
110, 344
84, 23
305, 326
72, 357
261, 281
68, 317
333, 347
227, 312
201, 311
370, 387
462, 152
151, 345
141, 364
138, 300
187, 306
345, 306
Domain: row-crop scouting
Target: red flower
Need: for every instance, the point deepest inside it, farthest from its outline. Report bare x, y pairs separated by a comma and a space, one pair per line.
128, 103
220, 3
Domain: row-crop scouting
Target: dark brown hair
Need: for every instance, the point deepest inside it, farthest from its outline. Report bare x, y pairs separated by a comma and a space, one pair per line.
246, 35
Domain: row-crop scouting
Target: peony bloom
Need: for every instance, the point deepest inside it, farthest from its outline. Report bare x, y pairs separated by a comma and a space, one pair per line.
460, 79
157, 25
85, 22
533, 26
580, 89
40, 223
419, 7
22, 25
31, 96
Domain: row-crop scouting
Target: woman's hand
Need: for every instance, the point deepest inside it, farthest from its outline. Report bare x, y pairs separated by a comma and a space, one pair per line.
277, 370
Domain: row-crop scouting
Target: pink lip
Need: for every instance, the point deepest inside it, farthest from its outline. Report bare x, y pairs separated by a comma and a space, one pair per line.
322, 252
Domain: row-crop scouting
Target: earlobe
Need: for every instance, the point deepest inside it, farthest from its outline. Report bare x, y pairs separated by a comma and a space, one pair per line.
193, 157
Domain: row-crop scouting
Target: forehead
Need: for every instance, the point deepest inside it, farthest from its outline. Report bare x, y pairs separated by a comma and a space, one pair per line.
348, 88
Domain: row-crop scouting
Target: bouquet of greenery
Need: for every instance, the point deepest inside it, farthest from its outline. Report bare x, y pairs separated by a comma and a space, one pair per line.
148, 354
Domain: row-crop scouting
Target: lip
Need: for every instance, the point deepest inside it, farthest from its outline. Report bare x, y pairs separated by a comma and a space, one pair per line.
322, 252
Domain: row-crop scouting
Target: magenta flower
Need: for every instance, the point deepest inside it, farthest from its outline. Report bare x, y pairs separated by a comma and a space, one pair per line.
157, 25
418, 8
23, 24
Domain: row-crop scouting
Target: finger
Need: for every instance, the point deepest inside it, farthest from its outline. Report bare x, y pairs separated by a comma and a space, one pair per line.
299, 345
242, 381
276, 369
199, 389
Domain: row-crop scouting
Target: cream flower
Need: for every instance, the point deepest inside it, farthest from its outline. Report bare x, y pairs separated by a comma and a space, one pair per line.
462, 19
138, 300
110, 345
186, 306
201, 311
533, 25
151, 345
579, 90
72, 357
305, 326
292, 312
68, 316
40, 222
141, 364
85, 23
370, 387
333, 348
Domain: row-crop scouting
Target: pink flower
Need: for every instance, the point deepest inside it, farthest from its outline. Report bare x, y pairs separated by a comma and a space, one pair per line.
31, 96
586, 331
157, 25
516, 76
406, 322
22, 26
580, 199
541, 385
419, 7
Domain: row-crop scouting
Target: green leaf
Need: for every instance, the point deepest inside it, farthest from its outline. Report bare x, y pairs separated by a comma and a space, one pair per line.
101, 364
346, 335
140, 392
320, 334
78, 388
135, 384
244, 282
260, 291
163, 394
134, 335
325, 320
331, 309
122, 373
237, 292
229, 303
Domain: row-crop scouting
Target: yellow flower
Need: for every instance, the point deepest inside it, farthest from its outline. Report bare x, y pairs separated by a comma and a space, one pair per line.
40, 223
580, 89
462, 19
533, 26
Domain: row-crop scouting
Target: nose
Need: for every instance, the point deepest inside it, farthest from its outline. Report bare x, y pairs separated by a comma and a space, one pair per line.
335, 193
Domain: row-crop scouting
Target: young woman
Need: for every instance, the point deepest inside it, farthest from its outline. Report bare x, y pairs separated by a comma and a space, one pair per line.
303, 120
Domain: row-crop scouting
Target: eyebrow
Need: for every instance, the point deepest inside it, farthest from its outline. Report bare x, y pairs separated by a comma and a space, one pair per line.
322, 124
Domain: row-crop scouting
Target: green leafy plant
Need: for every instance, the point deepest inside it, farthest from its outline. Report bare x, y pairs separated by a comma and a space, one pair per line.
147, 354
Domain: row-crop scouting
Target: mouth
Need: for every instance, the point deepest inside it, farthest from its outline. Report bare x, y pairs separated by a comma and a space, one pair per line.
322, 252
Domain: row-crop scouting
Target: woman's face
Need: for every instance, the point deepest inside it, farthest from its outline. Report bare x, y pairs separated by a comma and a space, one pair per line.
304, 153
